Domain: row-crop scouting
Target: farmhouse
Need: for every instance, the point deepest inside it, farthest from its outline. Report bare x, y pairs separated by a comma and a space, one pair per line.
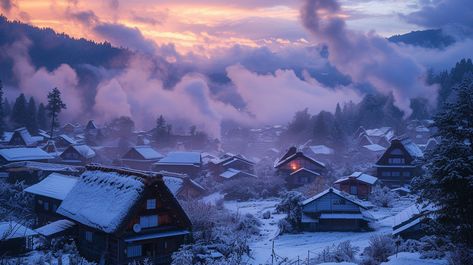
189, 163
332, 210
399, 164
125, 215
78, 155
182, 187
411, 223
48, 195
140, 157
297, 168
358, 184
31, 172
21, 137
20, 154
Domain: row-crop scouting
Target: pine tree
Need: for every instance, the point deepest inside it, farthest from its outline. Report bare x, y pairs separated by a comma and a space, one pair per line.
41, 117
54, 107
449, 183
162, 130
32, 124
19, 115
2, 117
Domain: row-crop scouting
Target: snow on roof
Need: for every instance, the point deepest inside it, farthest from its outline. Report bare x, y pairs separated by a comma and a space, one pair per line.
42, 166
55, 227
55, 186
374, 147
337, 192
289, 158
321, 150
11, 230
378, 132
361, 177
408, 213
68, 139
7, 136
422, 129
148, 152
412, 148
231, 172
24, 153
305, 170
181, 158
174, 184
26, 136
84, 150
101, 199
157, 235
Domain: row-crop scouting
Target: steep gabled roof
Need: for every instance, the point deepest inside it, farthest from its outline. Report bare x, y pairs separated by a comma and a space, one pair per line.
336, 192
24, 153
147, 152
363, 177
84, 150
292, 155
26, 136
179, 158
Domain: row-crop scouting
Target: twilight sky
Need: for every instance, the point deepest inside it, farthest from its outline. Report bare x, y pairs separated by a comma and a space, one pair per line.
205, 24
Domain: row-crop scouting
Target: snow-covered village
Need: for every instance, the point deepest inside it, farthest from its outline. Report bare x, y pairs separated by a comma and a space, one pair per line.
288, 132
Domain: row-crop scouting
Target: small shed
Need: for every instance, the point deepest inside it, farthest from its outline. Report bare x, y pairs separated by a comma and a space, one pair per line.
358, 184
15, 238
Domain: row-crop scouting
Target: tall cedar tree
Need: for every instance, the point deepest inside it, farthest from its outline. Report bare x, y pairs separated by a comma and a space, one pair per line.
41, 117
2, 116
32, 124
54, 107
449, 182
19, 114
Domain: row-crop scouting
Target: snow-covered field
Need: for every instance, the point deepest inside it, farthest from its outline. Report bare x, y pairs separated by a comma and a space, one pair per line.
298, 246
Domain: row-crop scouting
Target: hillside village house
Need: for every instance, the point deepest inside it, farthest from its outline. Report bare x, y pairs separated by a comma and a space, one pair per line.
49, 194
124, 215
64, 141
231, 166
400, 163
78, 155
412, 222
21, 137
189, 163
140, 157
331, 210
182, 187
31, 172
20, 154
298, 169
380, 136
358, 184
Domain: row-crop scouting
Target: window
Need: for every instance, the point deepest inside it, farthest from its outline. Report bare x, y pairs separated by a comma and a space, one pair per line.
151, 204
396, 174
396, 161
88, 236
46, 206
353, 190
148, 221
133, 251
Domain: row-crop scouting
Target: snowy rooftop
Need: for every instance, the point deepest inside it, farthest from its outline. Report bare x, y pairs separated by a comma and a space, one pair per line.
286, 159
361, 177
147, 152
407, 214
181, 158
412, 148
174, 184
55, 186
337, 192
7, 136
42, 166
11, 230
375, 147
102, 199
84, 150
54, 227
380, 132
68, 139
303, 169
321, 150
26, 136
24, 153
231, 172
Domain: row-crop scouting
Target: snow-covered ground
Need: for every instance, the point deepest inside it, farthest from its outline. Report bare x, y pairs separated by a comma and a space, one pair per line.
294, 246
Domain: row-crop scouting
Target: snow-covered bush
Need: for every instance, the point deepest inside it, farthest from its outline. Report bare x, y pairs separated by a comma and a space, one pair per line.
380, 248
343, 252
252, 188
409, 245
15, 204
266, 215
382, 196
290, 205
249, 224
433, 247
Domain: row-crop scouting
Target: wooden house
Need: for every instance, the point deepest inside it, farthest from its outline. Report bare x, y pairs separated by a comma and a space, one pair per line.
229, 160
298, 168
358, 184
322, 153
412, 222
231, 174
21, 154
400, 163
69, 129
332, 210
78, 155
140, 157
124, 215
64, 141
15, 239
56, 229
189, 163
182, 186
32, 172
21, 137
49, 194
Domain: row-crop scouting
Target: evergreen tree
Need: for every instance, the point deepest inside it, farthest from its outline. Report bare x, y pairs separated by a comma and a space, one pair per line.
2, 117
6, 108
162, 130
32, 123
448, 184
41, 117
54, 107
321, 127
19, 116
